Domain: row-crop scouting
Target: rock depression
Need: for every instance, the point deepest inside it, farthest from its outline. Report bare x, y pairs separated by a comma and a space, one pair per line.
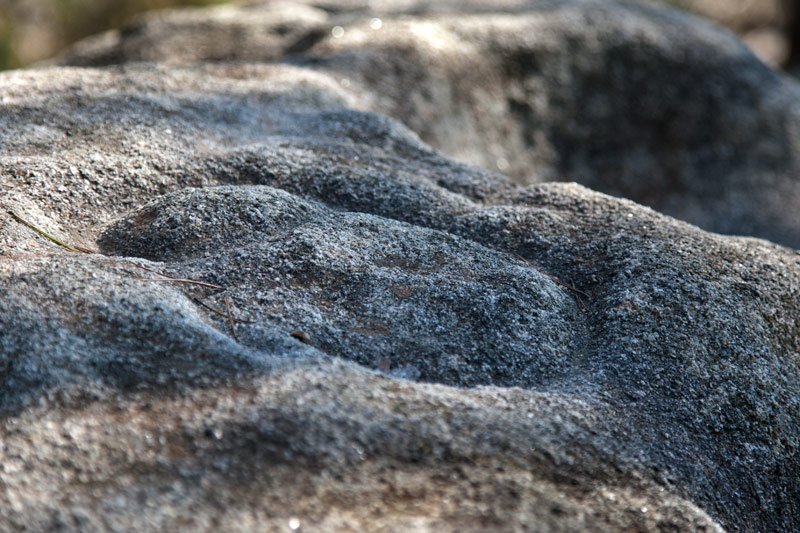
297, 314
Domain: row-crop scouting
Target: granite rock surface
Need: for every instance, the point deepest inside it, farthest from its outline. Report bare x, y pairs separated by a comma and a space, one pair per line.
296, 314
626, 98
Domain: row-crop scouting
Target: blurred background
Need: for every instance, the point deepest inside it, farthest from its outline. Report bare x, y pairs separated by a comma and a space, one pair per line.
770, 27
33, 30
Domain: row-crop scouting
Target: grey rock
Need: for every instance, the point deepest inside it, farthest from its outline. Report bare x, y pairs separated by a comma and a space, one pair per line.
629, 99
361, 333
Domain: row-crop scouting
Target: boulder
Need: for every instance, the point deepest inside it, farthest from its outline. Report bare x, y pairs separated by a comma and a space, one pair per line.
629, 99
232, 299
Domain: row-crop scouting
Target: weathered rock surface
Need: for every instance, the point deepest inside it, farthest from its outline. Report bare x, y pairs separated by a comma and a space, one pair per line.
628, 99
368, 335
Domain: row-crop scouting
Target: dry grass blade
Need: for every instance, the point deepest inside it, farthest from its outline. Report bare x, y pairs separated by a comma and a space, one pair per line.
77, 249
201, 303
227, 313
230, 317
182, 280
167, 278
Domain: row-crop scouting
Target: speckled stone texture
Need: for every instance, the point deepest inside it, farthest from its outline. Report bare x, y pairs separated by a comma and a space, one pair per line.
298, 315
626, 98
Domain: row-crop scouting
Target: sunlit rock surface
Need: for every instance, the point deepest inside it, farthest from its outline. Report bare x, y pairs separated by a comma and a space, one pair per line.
298, 315
628, 99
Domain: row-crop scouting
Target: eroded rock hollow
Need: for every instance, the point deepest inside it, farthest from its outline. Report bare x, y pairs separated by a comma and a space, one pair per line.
324, 266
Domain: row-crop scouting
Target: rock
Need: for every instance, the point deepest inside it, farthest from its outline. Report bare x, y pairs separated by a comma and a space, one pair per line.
477, 353
628, 99
245, 33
